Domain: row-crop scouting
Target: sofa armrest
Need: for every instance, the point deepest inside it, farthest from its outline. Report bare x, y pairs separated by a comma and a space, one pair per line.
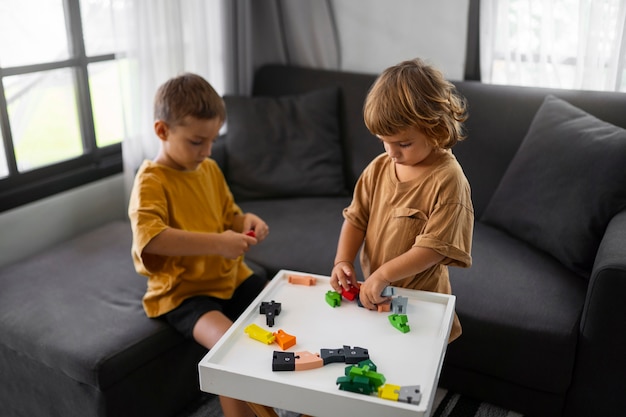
598, 386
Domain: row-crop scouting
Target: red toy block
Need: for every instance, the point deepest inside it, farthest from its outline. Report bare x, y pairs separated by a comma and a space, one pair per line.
251, 233
284, 340
302, 280
351, 293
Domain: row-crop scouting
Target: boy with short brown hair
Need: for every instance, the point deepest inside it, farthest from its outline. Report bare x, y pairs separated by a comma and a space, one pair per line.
189, 235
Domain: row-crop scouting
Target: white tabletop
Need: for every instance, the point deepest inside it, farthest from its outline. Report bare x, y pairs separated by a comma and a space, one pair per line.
241, 367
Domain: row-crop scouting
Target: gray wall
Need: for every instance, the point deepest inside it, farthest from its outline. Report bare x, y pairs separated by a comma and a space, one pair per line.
32, 228
375, 34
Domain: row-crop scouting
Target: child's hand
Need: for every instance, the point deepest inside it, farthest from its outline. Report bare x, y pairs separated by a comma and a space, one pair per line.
253, 223
370, 291
342, 276
235, 244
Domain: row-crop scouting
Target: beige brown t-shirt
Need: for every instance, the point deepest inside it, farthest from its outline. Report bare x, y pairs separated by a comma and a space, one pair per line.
433, 211
198, 201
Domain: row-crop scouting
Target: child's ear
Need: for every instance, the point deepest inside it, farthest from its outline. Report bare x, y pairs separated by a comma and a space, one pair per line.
161, 129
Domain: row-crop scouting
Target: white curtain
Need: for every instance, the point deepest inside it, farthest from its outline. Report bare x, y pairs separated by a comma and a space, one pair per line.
164, 39
575, 44
296, 32
225, 41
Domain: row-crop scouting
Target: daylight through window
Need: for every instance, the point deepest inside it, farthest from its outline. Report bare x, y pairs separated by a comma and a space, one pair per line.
61, 106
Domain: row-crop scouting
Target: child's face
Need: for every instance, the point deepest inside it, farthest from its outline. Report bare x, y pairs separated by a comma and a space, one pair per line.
186, 145
408, 147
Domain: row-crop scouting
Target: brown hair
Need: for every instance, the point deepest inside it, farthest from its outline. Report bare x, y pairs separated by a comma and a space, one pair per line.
415, 94
187, 95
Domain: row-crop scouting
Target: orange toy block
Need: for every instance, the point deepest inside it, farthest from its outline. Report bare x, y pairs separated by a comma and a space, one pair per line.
302, 280
284, 340
384, 307
307, 360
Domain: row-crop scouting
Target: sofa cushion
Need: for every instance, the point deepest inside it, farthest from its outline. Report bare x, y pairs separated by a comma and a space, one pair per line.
520, 311
72, 317
565, 183
51, 301
303, 233
284, 146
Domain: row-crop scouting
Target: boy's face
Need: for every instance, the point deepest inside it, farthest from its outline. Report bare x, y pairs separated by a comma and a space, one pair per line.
186, 145
408, 147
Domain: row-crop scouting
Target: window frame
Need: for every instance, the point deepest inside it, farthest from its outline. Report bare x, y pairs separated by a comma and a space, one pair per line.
20, 188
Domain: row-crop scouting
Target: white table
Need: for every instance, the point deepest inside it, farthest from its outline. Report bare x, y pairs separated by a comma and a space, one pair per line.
241, 367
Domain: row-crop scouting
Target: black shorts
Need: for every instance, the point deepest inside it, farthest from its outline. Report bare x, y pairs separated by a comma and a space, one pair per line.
184, 317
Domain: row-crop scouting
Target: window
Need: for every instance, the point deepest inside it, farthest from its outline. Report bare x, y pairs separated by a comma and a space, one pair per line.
576, 44
61, 101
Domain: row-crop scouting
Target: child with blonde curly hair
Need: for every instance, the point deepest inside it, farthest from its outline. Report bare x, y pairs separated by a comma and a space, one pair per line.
411, 210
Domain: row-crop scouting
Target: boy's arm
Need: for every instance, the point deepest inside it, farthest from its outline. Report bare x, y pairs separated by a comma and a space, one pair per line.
412, 262
350, 240
177, 242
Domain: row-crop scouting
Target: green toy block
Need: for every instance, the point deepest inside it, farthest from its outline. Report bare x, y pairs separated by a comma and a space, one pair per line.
399, 321
333, 298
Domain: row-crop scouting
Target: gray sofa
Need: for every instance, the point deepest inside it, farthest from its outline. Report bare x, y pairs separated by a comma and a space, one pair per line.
541, 330
541, 307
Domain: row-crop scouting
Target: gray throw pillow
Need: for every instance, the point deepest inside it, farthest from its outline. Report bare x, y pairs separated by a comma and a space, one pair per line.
284, 146
565, 183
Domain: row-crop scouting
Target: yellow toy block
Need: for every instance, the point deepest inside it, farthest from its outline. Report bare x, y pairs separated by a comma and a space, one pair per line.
260, 334
389, 392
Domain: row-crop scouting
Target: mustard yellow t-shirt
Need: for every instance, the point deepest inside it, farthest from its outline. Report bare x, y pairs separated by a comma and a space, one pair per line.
433, 211
197, 201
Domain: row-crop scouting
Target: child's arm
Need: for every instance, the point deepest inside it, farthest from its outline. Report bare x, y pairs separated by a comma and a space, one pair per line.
350, 240
412, 262
177, 242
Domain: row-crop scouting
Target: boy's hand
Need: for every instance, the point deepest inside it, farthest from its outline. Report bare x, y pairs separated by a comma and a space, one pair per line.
253, 223
370, 291
342, 276
235, 244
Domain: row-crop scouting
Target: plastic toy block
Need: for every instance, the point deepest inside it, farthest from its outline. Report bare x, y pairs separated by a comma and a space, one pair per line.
388, 291
307, 360
355, 355
350, 294
389, 392
399, 321
410, 394
375, 379
346, 384
283, 361
284, 340
367, 363
332, 355
333, 298
251, 233
399, 304
361, 378
359, 385
258, 333
384, 307
270, 309
302, 280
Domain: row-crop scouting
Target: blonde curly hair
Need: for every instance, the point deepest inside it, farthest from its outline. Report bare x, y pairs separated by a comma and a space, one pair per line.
415, 94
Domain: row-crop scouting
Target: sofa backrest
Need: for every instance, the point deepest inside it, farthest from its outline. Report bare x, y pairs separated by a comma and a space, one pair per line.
359, 145
499, 119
